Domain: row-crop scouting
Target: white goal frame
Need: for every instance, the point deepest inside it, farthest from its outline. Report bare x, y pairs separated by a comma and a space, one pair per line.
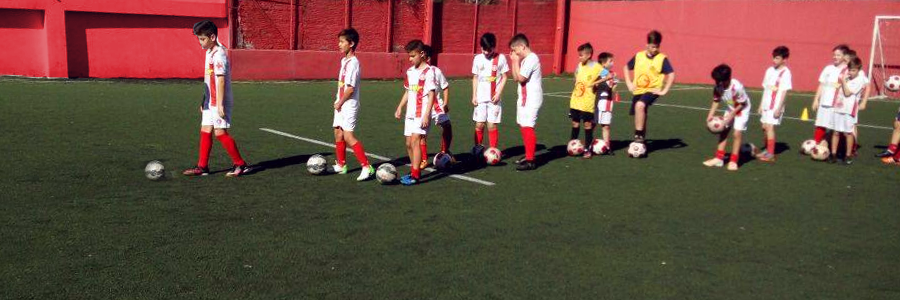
877, 43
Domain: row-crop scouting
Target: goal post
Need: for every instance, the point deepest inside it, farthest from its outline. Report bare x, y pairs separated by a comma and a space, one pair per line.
884, 54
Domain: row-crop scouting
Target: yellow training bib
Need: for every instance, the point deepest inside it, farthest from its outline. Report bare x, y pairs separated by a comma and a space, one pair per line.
648, 74
583, 96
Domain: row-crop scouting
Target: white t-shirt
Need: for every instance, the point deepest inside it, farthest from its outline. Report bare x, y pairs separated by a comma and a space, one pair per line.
829, 82
775, 81
348, 76
418, 83
217, 64
440, 84
850, 104
734, 94
483, 68
530, 92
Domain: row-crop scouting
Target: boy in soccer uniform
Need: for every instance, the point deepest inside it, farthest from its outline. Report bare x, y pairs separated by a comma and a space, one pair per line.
891, 155
850, 55
489, 78
582, 103
346, 107
731, 91
526, 70
653, 77
827, 92
776, 83
846, 109
440, 112
606, 85
418, 100
217, 103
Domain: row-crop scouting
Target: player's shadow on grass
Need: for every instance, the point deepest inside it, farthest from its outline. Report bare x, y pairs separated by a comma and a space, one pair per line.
659, 145
779, 148
285, 162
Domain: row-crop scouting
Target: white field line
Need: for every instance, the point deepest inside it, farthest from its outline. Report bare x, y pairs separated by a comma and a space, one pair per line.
376, 156
753, 114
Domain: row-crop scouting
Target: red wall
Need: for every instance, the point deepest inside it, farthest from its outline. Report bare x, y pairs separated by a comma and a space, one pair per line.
25, 49
698, 35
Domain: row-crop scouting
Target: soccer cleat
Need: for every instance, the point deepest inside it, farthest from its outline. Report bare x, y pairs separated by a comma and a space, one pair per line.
526, 166
848, 160
714, 163
766, 157
339, 169
761, 154
196, 171
423, 164
587, 154
366, 173
238, 171
732, 166
886, 153
889, 160
832, 159
521, 160
408, 180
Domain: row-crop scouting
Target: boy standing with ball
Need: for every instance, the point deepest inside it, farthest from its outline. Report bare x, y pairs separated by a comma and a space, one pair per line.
730, 91
776, 83
418, 100
346, 107
653, 77
526, 70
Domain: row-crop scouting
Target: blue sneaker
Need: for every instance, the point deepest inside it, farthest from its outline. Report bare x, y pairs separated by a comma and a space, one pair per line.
408, 180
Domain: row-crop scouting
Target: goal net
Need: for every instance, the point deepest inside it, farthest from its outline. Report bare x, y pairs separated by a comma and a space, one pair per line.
884, 56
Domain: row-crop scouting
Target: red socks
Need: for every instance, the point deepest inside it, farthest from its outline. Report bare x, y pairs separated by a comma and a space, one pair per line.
205, 148
340, 150
415, 172
897, 156
530, 140
360, 153
770, 146
720, 154
892, 148
494, 136
446, 138
735, 156
819, 134
423, 146
479, 136
232, 149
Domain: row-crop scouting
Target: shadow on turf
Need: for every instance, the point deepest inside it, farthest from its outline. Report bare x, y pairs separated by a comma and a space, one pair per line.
283, 162
659, 145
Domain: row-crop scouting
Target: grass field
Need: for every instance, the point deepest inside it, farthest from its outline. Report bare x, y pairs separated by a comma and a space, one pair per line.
82, 222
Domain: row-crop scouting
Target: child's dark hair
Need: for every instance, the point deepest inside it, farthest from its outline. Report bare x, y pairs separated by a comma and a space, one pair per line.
654, 37
586, 47
206, 28
488, 41
855, 63
351, 36
604, 57
519, 38
851, 54
428, 51
415, 45
843, 47
781, 51
721, 74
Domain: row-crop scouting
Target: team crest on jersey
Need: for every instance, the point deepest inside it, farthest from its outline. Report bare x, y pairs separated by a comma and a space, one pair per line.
220, 65
415, 88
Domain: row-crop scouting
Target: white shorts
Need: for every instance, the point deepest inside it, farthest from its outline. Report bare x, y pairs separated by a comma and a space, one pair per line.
487, 112
844, 123
414, 126
210, 117
740, 121
768, 117
526, 116
604, 117
440, 118
825, 117
346, 118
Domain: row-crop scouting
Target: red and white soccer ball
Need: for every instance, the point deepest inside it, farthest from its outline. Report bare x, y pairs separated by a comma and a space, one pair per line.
492, 156
636, 149
820, 153
807, 147
892, 83
716, 124
599, 147
575, 147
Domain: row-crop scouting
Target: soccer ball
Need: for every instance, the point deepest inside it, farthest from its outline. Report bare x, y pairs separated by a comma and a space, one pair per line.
316, 164
154, 170
716, 124
807, 147
599, 147
492, 156
892, 83
575, 147
386, 173
636, 149
820, 153
442, 160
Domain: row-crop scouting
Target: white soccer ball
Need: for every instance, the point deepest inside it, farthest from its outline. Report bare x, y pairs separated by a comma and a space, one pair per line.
575, 147
807, 147
716, 124
316, 164
599, 147
636, 149
442, 160
492, 156
820, 153
892, 83
154, 170
386, 173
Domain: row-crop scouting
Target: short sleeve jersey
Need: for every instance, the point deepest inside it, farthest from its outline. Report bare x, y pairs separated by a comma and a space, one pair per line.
418, 83
488, 72
217, 64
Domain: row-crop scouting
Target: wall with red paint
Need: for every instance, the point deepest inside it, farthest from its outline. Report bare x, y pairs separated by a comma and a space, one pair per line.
23, 33
698, 35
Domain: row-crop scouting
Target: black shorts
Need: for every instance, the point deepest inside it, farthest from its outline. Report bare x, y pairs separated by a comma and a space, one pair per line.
580, 116
647, 98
